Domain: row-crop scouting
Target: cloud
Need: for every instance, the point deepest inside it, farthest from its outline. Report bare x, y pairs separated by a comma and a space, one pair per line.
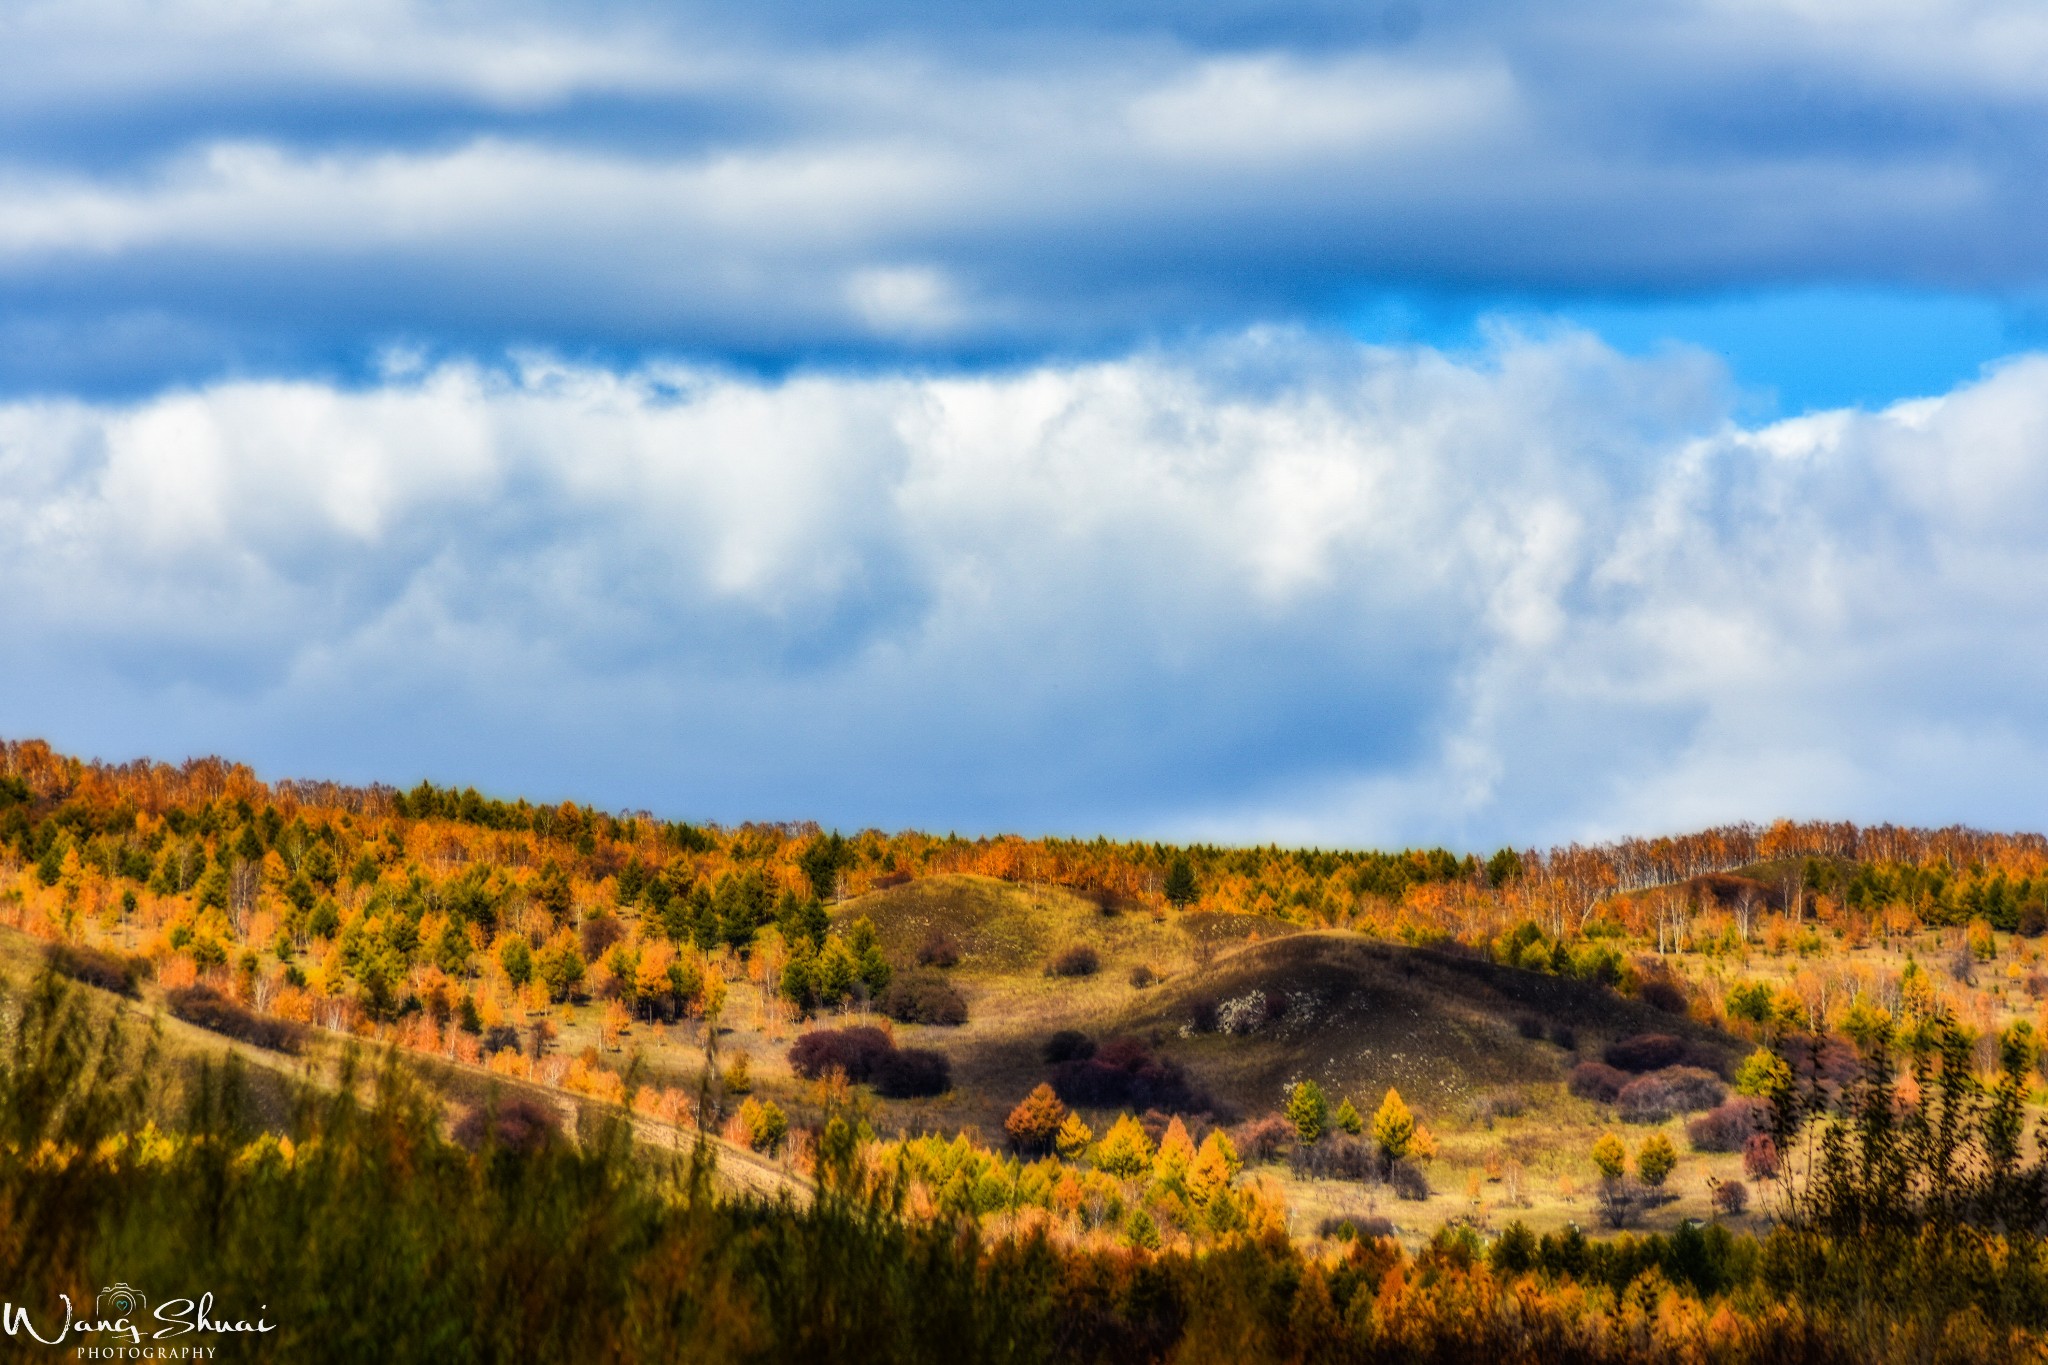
297, 182
1272, 586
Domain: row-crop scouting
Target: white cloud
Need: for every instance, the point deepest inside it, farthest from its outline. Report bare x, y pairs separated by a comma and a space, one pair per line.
1533, 593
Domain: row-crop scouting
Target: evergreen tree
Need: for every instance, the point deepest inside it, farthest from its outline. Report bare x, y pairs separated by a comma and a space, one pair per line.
1308, 1109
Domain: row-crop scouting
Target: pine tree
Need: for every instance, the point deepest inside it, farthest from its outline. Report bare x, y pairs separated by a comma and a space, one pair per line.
1074, 1137
1308, 1109
1124, 1151
1655, 1159
1393, 1127
1348, 1118
1610, 1156
1034, 1125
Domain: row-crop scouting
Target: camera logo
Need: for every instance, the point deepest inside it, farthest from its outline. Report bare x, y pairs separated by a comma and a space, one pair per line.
118, 1300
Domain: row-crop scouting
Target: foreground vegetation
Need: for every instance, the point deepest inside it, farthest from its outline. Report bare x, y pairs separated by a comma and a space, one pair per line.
363, 1231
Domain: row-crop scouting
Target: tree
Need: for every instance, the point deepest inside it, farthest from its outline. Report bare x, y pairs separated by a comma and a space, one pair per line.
1762, 1073
1308, 1109
1176, 1156
1034, 1125
1180, 882
821, 861
1393, 1127
1348, 1118
1074, 1137
550, 891
1655, 1159
1610, 1156
1124, 1151
1216, 1165
1503, 867
560, 968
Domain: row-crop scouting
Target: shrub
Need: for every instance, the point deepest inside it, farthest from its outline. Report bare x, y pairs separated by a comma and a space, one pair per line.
855, 1051
1263, 1139
1645, 1052
1597, 1081
1662, 993
1143, 976
1202, 1014
924, 997
1731, 1197
2033, 921
511, 1123
109, 971
1068, 1045
1407, 1180
1726, 1127
1674, 1090
1565, 1036
210, 1010
1079, 960
1125, 1075
1338, 1157
910, 1073
1530, 1027
938, 950
1760, 1157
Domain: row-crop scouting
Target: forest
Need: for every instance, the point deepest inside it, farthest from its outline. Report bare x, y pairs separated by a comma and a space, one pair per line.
426, 1073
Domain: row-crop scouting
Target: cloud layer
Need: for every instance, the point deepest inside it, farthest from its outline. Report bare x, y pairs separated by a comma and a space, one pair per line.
1277, 586
189, 187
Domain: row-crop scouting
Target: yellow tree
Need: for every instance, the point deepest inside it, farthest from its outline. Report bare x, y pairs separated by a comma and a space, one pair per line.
1125, 1151
1393, 1127
1610, 1156
1215, 1166
1074, 1137
1176, 1155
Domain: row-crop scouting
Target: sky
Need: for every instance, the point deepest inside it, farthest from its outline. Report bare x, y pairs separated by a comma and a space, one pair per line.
1352, 424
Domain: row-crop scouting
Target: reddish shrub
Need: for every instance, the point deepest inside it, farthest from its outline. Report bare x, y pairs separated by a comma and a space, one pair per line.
1760, 1157
1674, 1090
939, 950
1727, 1127
1597, 1081
1125, 1075
210, 1010
109, 971
1262, 1139
1645, 1052
855, 1051
511, 1124
1079, 960
1662, 993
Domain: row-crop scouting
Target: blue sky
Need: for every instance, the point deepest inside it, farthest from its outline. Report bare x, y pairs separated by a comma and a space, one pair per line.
1349, 423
